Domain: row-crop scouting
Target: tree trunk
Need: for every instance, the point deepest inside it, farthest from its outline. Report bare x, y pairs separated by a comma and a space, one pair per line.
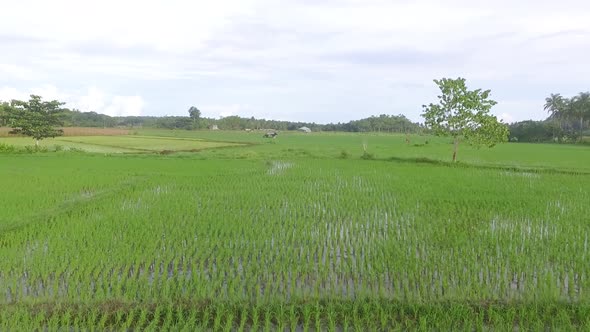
581, 128
455, 148
37, 143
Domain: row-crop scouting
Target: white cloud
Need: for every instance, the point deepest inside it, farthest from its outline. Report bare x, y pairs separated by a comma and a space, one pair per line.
217, 111
7, 94
124, 105
305, 60
518, 110
506, 117
16, 72
47, 92
168, 25
94, 100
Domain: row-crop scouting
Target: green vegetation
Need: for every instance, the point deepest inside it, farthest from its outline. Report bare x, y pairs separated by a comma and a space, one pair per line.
4, 107
464, 115
75, 118
297, 233
120, 144
35, 118
569, 113
567, 122
195, 115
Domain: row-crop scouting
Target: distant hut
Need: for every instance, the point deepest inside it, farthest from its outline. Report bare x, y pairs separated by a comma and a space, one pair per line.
214, 127
304, 130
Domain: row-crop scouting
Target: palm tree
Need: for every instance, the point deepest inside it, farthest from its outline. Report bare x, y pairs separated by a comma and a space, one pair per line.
580, 108
556, 105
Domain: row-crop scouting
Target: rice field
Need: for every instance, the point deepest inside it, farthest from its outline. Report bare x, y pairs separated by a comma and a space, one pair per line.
79, 131
120, 143
288, 235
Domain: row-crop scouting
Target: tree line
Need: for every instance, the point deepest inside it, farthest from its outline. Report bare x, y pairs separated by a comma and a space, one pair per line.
567, 121
194, 121
460, 113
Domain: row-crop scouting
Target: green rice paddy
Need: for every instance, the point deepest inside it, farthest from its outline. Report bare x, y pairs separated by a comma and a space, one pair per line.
297, 233
121, 144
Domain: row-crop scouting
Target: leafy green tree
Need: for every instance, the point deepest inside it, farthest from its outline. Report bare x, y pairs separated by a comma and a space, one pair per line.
464, 115
195, 115
36, 118
233, 122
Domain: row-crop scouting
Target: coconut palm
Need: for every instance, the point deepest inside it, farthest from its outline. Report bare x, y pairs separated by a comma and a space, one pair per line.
580, 109
555, 105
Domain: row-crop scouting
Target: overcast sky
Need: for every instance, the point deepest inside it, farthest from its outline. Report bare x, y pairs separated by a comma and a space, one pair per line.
305, 60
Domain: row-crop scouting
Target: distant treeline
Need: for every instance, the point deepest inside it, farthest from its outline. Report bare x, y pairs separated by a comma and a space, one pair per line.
549, 130
567, 121
381, 123
545, 131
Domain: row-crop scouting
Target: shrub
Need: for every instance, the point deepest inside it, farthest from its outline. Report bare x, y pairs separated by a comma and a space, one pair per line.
6, 148
367, 156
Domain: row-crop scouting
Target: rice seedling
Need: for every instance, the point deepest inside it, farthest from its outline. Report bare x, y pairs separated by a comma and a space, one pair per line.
160, 242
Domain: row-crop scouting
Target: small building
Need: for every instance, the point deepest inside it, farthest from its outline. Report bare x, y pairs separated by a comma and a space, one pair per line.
304, 130
214, 127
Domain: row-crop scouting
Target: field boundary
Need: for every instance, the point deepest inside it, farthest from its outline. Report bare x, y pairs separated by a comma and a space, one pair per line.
437, 162
78, 131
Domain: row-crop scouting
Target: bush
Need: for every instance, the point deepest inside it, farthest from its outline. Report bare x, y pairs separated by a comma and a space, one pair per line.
367, 156
344, 155
35, 149
5, 148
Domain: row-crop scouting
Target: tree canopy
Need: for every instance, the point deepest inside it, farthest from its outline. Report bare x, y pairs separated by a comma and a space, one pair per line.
195, 115
195, 120
35, 118
571, 114
464, 115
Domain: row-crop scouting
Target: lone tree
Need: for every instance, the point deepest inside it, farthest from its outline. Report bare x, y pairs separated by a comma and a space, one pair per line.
35, 118
194, 114
464, 115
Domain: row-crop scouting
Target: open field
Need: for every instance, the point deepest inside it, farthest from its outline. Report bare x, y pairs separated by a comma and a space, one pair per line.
121, 144
287, 234
80, 131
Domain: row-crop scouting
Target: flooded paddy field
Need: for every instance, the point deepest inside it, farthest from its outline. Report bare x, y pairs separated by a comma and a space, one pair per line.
303, 243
